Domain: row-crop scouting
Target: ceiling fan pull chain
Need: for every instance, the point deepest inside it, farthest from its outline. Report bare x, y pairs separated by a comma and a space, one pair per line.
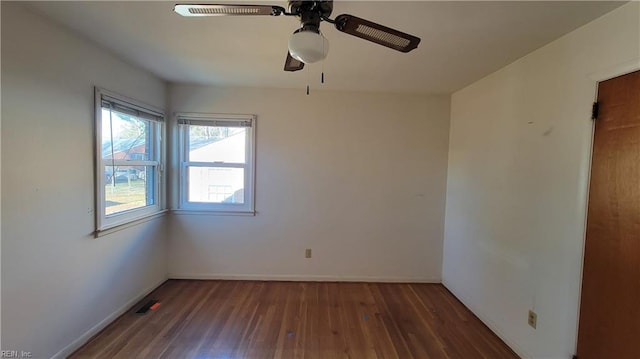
322, 75
308, 78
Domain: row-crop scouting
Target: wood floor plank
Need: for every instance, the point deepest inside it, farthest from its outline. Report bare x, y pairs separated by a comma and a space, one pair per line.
291, 320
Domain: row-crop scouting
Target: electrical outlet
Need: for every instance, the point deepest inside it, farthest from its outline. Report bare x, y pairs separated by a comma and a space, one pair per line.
307, 253
532, 319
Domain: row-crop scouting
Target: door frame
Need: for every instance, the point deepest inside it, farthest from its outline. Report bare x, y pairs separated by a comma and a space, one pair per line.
622, 69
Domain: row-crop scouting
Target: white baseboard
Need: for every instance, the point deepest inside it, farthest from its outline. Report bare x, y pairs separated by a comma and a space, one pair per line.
489, 323
76, 344
303, 278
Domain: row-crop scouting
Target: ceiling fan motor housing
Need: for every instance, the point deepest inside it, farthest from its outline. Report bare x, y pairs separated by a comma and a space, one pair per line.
322, 8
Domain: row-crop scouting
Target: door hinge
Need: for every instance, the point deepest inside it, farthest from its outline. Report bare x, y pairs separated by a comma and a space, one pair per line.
594, 110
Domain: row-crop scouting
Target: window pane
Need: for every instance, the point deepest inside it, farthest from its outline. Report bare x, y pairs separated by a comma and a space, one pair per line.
131, 137
128, 187
216, 185
217, 144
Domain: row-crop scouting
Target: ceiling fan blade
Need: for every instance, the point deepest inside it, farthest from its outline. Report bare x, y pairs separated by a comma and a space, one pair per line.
226, 10
377, 33
292, 64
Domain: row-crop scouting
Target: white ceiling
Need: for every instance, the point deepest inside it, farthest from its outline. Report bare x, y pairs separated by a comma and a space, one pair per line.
461, 41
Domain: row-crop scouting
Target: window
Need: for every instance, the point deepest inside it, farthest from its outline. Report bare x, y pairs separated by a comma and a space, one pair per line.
217, 162
128, 158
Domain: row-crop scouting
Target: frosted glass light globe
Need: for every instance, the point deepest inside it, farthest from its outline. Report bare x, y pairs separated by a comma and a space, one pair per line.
308, 46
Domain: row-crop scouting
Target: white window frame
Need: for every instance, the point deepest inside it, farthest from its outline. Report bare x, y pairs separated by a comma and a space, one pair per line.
104, 222
199, 119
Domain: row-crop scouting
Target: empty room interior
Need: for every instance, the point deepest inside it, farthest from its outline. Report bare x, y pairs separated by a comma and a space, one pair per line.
320, 179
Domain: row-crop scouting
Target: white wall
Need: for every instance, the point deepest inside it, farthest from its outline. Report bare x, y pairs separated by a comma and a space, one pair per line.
359, 178
57, 281
517, 183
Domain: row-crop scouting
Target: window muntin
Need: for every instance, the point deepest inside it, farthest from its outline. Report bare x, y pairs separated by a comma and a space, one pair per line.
129, 158
217, 162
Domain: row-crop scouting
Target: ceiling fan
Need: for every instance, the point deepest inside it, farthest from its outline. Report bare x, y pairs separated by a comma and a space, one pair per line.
307, 44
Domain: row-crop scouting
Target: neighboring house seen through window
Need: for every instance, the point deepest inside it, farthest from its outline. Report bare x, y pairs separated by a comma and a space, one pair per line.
129, 160
217, 162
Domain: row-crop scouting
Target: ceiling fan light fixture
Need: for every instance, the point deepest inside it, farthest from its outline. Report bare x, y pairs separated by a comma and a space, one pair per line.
308, 45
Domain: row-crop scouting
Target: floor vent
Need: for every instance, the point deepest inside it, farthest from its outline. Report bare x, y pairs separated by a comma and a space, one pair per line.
150, 305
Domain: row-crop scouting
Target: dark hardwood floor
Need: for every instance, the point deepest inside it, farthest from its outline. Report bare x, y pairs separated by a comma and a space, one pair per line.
241, 319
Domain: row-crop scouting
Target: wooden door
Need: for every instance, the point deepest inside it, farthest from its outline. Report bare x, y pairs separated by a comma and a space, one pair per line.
610, 305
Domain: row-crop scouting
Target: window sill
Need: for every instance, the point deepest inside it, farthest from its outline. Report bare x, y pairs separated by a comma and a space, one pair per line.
135, 222
201, 212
